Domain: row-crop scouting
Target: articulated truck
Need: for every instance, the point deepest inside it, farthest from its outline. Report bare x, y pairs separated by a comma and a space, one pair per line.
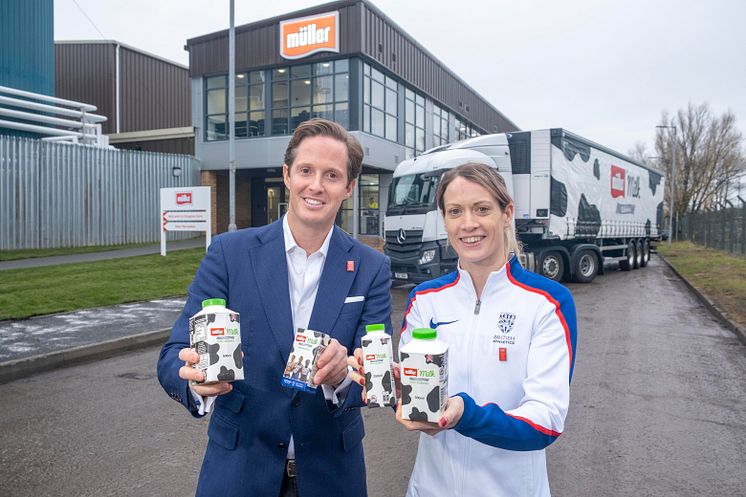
578, 205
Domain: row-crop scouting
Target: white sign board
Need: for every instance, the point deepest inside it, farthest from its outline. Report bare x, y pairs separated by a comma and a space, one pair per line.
185, 209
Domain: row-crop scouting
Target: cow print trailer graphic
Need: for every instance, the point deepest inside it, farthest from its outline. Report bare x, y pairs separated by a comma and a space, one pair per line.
582, 203
216, 337
424, 386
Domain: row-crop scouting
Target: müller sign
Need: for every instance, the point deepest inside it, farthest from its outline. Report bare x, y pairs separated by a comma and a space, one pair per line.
309, 35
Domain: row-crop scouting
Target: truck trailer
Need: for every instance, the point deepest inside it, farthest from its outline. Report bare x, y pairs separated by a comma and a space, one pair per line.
578, 205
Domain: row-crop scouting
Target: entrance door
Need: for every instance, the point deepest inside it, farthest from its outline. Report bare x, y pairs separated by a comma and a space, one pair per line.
276, 196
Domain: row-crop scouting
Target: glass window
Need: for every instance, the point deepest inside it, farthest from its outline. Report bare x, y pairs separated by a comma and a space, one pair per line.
369, 204
342, 114
256, 77
280, 121
256, 97
280, 73
323, 68
298, 115
242, 129
300, 91
342, 65
280, 94
216, 101
217, 82
342, 87
376, 90
376, 122
323, 90
390, 101
256, 123
391, 131
324, 111
242, 99
217, 127
377, 75
414, 115
303, 71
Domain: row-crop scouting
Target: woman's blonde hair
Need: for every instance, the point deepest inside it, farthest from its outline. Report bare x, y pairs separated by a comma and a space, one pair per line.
489, 178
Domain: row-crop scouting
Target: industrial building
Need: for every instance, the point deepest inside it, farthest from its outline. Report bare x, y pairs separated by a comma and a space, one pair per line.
345, 61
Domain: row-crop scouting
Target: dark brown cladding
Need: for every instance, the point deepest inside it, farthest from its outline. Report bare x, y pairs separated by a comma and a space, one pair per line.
154, 93
365, 31
86, 73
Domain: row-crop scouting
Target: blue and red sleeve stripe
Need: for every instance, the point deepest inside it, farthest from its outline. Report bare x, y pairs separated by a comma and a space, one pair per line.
436, 285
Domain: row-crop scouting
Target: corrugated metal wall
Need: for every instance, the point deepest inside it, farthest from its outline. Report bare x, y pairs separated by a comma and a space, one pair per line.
27, 45
86, 73
155, 94
62, 195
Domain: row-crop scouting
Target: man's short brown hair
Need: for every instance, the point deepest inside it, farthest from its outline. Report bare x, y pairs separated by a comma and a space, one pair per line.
324, 127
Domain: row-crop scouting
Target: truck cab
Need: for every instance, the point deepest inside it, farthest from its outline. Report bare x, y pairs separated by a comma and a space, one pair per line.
415, 235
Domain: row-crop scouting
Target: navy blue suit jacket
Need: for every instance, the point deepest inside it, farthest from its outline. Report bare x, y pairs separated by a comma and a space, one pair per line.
250, 427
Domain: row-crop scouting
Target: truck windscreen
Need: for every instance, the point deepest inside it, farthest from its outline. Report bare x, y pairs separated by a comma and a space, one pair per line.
413, 193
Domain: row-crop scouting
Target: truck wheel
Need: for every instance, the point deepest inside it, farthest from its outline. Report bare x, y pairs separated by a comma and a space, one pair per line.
645, 253
552, 265
629, 263
638, 254
586, 266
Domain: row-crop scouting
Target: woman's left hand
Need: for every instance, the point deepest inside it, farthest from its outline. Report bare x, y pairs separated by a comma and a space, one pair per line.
450, 418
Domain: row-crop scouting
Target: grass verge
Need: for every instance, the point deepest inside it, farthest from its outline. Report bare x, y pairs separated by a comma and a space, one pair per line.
69, 287
14, 255
720, 276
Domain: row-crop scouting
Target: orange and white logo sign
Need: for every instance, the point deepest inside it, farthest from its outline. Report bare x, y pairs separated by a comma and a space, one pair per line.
309, 35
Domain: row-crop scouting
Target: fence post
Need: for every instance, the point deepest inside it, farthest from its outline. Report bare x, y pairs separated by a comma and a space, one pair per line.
743, 225
732, 216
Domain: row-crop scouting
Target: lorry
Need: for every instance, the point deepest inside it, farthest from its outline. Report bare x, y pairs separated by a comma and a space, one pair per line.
578, 205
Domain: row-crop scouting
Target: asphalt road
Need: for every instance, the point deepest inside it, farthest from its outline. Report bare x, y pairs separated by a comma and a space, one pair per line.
658, 400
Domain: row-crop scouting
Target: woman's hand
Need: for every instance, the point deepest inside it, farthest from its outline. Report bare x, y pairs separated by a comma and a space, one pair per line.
450, 418
357, 375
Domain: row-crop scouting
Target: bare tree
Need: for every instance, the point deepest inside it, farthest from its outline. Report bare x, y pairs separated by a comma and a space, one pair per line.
708, 156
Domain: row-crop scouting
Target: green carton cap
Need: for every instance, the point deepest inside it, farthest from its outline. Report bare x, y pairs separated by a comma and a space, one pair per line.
207, 302
374, 327
424, 334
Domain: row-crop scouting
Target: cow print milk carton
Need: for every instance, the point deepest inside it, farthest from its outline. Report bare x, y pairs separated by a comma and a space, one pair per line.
424, 376
301, 366
215, 333
378, 366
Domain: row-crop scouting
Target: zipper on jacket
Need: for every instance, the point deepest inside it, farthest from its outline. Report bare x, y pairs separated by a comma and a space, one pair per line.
476, 307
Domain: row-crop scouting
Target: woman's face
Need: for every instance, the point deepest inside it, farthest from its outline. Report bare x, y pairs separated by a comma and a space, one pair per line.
475, 224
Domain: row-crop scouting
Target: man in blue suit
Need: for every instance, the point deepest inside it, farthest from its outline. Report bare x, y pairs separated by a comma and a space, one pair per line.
299, 272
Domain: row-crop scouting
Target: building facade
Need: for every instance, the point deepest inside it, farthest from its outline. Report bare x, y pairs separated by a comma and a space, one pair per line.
146, 98
345, 61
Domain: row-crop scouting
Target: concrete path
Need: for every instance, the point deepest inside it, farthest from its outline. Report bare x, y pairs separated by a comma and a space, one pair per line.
99, 256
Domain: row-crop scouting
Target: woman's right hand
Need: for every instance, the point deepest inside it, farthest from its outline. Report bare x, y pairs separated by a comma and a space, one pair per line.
193, 375
357, 372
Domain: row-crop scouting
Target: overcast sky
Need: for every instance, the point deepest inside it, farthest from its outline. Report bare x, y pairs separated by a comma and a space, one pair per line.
603, 69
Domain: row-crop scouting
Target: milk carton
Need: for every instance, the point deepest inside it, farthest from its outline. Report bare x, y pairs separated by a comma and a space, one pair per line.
215, 333
301, 366
378, 365
424, 376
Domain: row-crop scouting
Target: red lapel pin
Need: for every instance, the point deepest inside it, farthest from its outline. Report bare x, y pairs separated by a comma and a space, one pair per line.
503, 353
350, 266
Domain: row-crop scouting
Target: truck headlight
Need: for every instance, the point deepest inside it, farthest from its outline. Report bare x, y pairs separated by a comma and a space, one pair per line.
427, 256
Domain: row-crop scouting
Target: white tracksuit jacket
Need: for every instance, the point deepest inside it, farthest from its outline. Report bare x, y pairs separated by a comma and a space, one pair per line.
510, 357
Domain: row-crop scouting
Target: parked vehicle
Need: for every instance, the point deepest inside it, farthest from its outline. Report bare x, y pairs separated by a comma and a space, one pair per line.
577, 205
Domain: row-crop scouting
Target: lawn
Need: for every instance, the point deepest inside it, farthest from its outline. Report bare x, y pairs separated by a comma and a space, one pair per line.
69, 287
13, 255
720, 276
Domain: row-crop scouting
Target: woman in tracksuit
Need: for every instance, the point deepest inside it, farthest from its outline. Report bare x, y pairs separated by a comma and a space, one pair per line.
511, 338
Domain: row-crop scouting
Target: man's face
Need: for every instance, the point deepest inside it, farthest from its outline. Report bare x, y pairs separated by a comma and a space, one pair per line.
317, 181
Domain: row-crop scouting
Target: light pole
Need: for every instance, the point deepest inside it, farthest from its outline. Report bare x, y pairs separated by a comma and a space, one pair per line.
232, 121
673, 183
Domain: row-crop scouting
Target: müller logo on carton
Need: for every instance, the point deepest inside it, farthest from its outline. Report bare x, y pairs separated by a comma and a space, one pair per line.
309, 35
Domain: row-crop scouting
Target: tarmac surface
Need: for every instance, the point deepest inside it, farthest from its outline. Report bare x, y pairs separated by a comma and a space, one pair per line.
657, 405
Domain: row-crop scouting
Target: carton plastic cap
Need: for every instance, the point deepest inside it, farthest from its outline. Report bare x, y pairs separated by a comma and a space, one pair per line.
207, 302
424, 334
374, 327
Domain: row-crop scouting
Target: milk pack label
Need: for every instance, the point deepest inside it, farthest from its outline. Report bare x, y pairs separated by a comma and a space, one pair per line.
301, 366
424, 379
215, 333
379, 370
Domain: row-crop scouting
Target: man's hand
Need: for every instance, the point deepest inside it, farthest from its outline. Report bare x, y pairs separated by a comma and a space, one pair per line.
332, 365
450, 418
190, 373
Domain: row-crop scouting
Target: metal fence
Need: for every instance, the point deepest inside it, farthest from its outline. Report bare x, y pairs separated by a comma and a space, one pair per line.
64, 195
723, 229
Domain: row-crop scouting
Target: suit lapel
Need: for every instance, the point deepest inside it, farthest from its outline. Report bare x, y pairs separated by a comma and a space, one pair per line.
335, 283
271, 274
